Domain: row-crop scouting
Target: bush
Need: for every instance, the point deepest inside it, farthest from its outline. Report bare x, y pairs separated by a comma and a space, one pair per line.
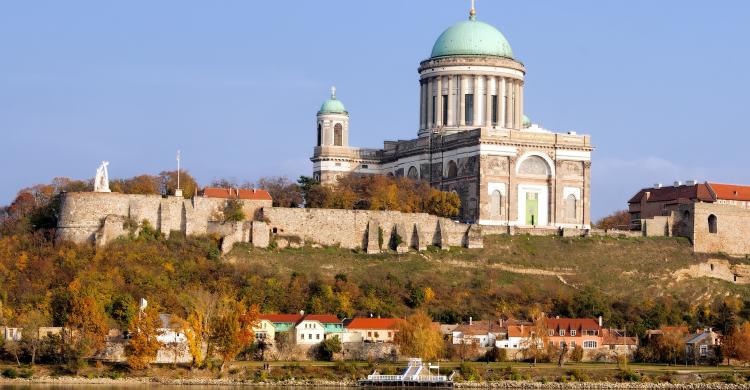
25, 374
628, 376
233, 211
10, 373
329, 347
497, 354
578, 376
468, 372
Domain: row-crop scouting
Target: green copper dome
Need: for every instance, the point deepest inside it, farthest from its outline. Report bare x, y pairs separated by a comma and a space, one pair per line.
472, 37
332, 105
525, 122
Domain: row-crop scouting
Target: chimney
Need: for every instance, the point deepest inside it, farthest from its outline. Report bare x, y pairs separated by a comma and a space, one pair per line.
471, 320
677, 183
600, 320
522, 329
301, 312
691, 182
657, 185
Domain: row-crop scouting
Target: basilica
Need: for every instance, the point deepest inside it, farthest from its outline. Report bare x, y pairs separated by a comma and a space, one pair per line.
473, 139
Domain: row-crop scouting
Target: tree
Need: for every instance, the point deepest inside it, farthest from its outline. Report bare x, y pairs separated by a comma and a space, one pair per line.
736, 344
283, 192
329, 347
444, 204
202, 310
418, 336
535, 345
232, 330
143, 345
617, 220
31, 321
233, 211
168, 180
13, 348
576, 354
142, 184
85, 331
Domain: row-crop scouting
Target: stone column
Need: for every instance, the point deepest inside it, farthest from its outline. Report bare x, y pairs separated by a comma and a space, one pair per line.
451, 103
517, 105
509, 109
422, 114
558, 203
520, 104
439, 102
430, 107
488, 101
502, 103
461, 100
512, 195
477, 101
585, 193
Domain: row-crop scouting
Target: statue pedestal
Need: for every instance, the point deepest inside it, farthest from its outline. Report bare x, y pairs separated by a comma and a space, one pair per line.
178, 192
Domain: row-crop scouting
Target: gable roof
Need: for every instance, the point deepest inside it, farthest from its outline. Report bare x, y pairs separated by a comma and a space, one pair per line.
235, 193
480, 328
675, 193
572, 323
730, 191
287, 318
520, 330
372, 323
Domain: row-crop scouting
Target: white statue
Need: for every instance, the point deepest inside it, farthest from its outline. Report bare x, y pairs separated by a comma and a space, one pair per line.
101, 182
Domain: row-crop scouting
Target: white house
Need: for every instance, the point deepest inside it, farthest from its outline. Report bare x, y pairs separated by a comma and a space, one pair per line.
482, 333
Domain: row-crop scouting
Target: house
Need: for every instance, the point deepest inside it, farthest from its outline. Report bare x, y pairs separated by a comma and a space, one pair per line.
573, 332
265, 331
372, 330
518, 337
482, 333
618, 342
174, 343
13, 334
314, 328
701, 346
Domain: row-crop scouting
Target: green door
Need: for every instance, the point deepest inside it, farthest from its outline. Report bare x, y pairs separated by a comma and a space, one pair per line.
532, 208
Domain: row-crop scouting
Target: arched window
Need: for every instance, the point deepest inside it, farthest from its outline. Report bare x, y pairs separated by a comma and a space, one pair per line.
320, 136
534, 165
496, 204
337, 136
570, 207
452, 169
413, 174
712, 224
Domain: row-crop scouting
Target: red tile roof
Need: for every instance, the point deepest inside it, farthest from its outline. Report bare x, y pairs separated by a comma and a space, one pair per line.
572, 323
323, 318
730, 191
480, 328
520, 330
372, 323
234, 193
675, 194
293, 318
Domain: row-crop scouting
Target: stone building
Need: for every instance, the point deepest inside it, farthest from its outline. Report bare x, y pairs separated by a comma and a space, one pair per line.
715, 217
473, 139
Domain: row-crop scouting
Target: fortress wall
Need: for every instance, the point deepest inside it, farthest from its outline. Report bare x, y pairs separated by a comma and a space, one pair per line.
348, 228
733, 229
82, 214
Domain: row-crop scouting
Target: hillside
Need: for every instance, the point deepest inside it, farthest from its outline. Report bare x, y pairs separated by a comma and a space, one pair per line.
631, 282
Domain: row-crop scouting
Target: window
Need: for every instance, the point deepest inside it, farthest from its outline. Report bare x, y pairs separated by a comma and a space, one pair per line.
496, 203
445, 110
452, 169
317, 336
494, 110
319, 134
390, 334
572, 343
570, 207
704, 350
337, 134
589, 344
369, 334
302, 336
712, 228
412, 173
309, 336
573, 332
365, 166
469, 106
551, 332
434, 110
562, 332
562, 344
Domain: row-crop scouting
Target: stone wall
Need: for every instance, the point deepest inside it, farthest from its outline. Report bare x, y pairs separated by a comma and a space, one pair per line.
100, 217
732, 228
355, 228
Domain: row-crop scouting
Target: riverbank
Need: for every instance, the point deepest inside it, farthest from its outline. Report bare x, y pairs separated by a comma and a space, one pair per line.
140, 381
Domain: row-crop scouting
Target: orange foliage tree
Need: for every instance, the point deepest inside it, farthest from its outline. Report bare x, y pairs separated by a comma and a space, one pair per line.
143, 345
232, 330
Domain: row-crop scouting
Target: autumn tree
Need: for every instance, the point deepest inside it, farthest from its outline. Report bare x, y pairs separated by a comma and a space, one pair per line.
143, 345
202, 307
168, 183
418, 336
617, 220
85, 331
444, 204
283, 192
142, 184
232, 330
535, 345
233, 211
31, 322
736, 343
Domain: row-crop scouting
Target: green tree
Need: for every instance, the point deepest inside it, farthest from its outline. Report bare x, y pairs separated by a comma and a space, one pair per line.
31, 322
329, 347
233, 211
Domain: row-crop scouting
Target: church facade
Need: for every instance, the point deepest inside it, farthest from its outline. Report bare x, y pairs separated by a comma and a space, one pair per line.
473, 139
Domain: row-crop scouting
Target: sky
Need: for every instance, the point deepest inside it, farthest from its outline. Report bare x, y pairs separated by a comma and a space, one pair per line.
661, 86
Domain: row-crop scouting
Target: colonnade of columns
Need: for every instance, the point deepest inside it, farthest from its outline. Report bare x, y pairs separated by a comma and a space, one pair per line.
439, 93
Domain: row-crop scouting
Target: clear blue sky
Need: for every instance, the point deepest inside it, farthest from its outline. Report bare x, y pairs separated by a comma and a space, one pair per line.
661, 86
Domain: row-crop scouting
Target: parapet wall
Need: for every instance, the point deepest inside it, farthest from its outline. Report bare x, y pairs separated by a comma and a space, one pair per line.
732, 233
